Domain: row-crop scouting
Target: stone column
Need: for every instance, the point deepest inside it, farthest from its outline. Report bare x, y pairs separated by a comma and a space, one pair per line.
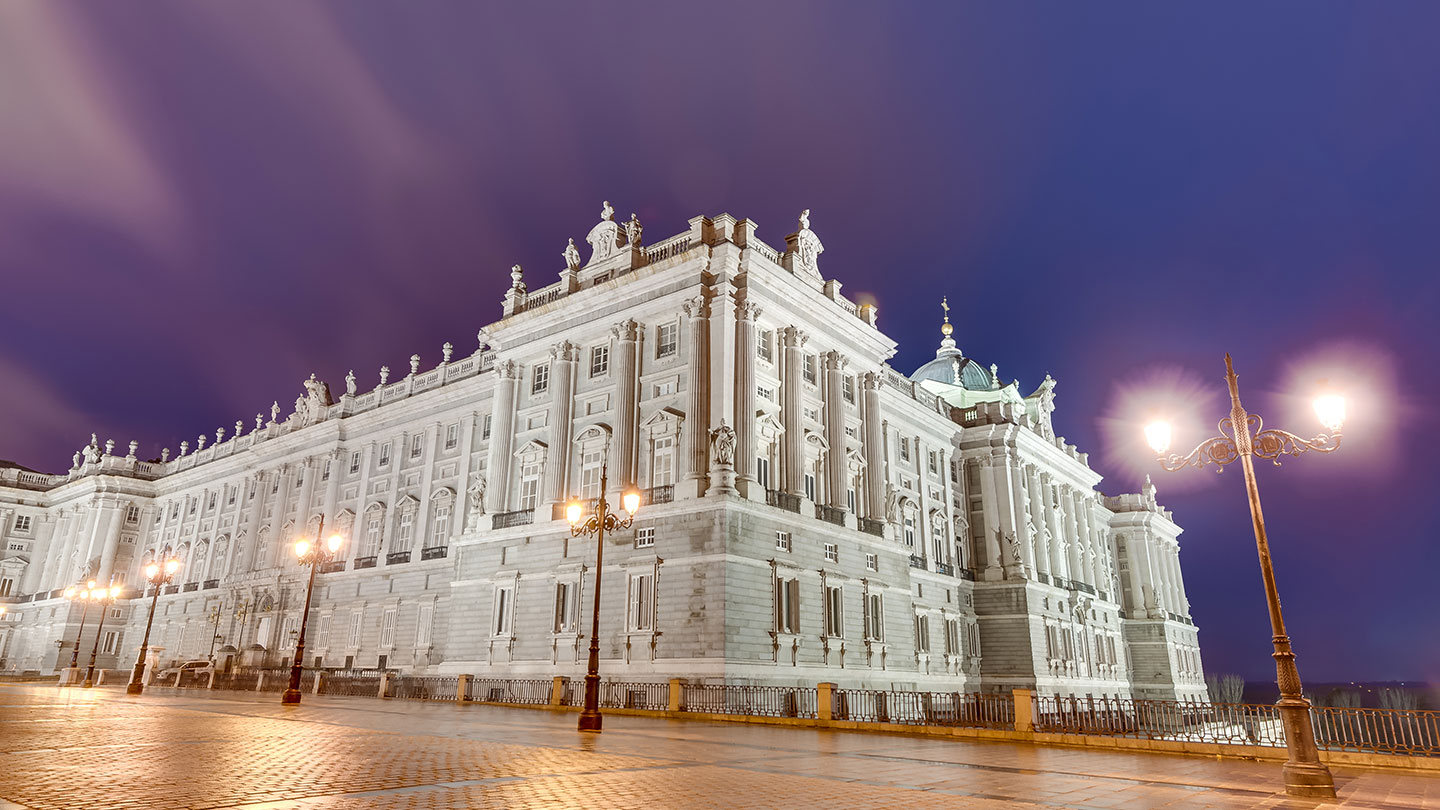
745, 317
502, 435
622, 455
873, 447
1184, 603
336, 459
427, 486
257, 505
836, 469
277, 525
1065, 505
792, 445
1015, 480
990, 496
34, 573
1043, 543
1172, 578
697, 444
562, 388
111, 543
1059, 561
310, 472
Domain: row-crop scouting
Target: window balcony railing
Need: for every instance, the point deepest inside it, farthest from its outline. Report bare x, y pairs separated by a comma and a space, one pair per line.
434, 552
191, 586
397, 557
783, 500
830, 514
211, 583
660, 494
332, 566
1043, 577
916, 561
169, 589
945, 568
871, 526
966, 573
364, 562
505, 520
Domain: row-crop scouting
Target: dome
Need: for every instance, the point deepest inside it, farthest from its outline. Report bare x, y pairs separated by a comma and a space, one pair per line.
955, 369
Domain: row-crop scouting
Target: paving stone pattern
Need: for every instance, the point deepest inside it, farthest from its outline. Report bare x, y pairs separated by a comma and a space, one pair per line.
99, 748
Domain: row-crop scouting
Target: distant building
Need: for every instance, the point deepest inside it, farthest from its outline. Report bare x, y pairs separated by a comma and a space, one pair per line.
809, 512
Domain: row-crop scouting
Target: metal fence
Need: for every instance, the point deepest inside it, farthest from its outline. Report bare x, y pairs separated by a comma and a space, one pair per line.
748, 700
417, 687
959, 709
351, 683
1387, 731
534, 692
632, 695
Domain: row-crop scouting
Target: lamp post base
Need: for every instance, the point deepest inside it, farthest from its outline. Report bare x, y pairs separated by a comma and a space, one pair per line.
589, 721
134, 688
1311, 780
290, 698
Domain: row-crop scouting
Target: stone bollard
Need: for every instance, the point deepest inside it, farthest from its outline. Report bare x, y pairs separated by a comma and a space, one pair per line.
825, 701
462, 688
1024, 710
676, 692
557, 690
384, 685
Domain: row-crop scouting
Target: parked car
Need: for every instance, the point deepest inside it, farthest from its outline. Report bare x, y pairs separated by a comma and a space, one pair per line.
198, 667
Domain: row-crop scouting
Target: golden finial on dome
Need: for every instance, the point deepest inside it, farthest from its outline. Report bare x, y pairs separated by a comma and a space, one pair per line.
946, 328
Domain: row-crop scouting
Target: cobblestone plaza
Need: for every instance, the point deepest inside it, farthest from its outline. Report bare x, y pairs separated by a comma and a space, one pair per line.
72, 748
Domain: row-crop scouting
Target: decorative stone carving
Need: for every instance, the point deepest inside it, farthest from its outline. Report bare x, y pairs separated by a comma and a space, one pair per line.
605, 238
414, 364
350, 383
633, 231
109, 447
239, 428
164, 455
184, 448
91, 451
476, 504
722, 445
219, 435
803, 249
572, 256
447, 351
259, 420
75, 461
607, 213
200, 442
274, 411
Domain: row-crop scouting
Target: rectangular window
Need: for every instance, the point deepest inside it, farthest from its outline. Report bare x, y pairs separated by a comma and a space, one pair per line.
832, 553
847, 388
387, 628
850, 499
642, 602
810, 485
214, 496
934, 462
874, 617
417, 445
782, 541
834, 611
564, 607
765, 392
599, 361
909, 529
355, 462
904, 448
787, 605
112, 642
190, 510
357, 624
385, 454
922, 633
762, 472
813, 414
452, 436
372, 535
325, 472
132, 513
590, 463
322, 632
662, 470
440, 528
504, 608
665, 389
485, 432
424, 626
809, 369
952, 637
404, 531
763, 344
540, 382
872, 562
667, 339
645, 538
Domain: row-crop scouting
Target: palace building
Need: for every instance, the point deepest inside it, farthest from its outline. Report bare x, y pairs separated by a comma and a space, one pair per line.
809, 512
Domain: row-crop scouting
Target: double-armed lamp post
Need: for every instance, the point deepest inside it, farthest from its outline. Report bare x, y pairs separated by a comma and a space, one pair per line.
314, 555
105, 597
84, 594
158, 575
1243, 437
598, 524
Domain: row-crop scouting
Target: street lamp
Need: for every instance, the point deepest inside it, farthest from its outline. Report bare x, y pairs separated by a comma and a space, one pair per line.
105, 597
597, 524
312, 555
1243, 436
158, 576
215, 614
84, 595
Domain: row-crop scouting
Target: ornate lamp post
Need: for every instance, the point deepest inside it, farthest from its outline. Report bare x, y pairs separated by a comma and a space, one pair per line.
84, 594
598, 524
313, 555
158, 576
215, 615
105, 597
1243, 437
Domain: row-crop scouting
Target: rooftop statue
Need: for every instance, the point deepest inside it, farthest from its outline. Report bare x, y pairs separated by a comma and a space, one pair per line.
572, 256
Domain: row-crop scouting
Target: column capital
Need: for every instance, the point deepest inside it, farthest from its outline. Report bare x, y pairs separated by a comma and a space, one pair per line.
696, 307
870, 381
747, 311
628, 329
507, 369
793, 337
835, 361
564, 350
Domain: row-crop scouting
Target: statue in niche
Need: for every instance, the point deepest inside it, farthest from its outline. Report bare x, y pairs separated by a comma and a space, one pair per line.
606, 212
572, 256
722, 445
633, 231
476, 504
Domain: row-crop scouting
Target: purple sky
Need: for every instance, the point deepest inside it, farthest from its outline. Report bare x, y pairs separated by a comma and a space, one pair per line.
203, 203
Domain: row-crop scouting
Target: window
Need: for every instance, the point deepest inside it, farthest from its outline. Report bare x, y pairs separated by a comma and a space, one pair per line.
565, 607
485, 432
872, 562
357, 622
909, 525
642, 602
322, 632
832, 554
230, 495
813, 414
452, 436
765, 392
504, 608
934, 462
6, 586
440, 526
417, 445
922, 633
22, 524
809, 369
355, 462
847, 388
175, 508
112, 642
540, 383
874, 617
810, 485
850, 499
405, 530
190, 509
529, 485
289, 630
424, 625
662, 471
213, 498
763, 344
645, 538
599, 361
834, 611
952, 637
665, 389
787, 605
762, 471
299, 479
387, 628
590, 463
904, 448
325, 472
667, 339
782, 541
385, 454
373, 520
132, 513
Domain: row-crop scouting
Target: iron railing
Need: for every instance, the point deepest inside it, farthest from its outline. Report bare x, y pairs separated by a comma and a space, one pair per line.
916, 561
958, 709
830, 514
434, 553
364, 562
332, 566
505, 520
211, 583
1387, 731
783, 500
632, 695
749, 701
1184, 720
424, 687
945, 568
872, 526
534, 692
660, 494
351, 683
396, 557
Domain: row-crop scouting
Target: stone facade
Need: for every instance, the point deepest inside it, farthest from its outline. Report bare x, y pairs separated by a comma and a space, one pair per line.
810, 514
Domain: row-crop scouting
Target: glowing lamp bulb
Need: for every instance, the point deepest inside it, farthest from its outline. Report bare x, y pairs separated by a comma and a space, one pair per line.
70, 592
115, 591
171, 566
1330, 408
90, 584
334, 543
573, 512
302, 547
151, 571
1157, 435
631, 502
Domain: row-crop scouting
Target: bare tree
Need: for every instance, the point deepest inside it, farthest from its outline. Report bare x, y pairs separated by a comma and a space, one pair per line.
1343, 699
1225, 688
1399, 700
